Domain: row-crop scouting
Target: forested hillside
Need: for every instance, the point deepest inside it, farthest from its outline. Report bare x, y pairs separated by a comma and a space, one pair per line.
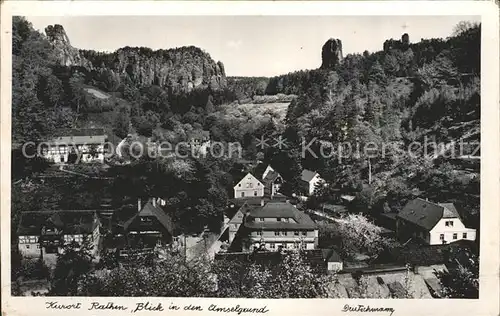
407, 92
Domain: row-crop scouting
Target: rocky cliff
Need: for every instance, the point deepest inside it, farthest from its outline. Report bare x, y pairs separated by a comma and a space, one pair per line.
402, 44
331, 53
179, 69
182, 68
66, 55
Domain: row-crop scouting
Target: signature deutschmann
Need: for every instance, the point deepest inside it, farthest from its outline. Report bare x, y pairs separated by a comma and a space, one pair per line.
367, 309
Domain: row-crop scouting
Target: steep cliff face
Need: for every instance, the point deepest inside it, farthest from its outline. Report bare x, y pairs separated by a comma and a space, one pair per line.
182, 68
66, 55
179, 69
331, 53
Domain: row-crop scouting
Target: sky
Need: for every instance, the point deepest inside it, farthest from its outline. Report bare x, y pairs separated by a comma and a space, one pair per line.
250, 45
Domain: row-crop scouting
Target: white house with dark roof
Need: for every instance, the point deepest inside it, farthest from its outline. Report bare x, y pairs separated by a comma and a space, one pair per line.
310, 179
278, 225
87, 143
432, 223
248, 186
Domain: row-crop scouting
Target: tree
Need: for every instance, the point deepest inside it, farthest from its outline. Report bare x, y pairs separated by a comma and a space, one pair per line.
122, 123
73, 263
291, 277
462, 280
170, 277
209, 107
359, 235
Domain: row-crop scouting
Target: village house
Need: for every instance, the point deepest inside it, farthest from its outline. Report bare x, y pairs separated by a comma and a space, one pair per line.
44, 233
151, 226
199, 140
432, 223
310, 179
87, 143
248, 186
272, 181
279, 225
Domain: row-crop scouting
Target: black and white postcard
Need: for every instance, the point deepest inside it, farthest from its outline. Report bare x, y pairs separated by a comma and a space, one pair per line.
241, 158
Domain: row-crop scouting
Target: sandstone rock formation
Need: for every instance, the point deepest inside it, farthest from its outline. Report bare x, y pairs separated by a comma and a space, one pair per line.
331, 53
66, 55
402, 44
178, 69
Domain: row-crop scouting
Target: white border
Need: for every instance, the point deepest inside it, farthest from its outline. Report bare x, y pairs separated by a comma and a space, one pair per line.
487, 304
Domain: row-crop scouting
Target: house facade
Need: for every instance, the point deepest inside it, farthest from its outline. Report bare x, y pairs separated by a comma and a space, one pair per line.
279, 225
151, 226
272, 181
310, 179
249, 186
87, 144
432, 223
44, 233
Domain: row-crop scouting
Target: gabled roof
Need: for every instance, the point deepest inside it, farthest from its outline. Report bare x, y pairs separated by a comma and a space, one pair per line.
271, 176
81, 132
282, 210
246, 176
308, 175
198, 134
427, 214
69, 221
80, 136
150, 210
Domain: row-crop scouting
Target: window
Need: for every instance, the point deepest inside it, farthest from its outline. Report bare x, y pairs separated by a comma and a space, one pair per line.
278, 219
455, 236
448, 223
259, 233
258, 184
304, 233
277, 233
27, 246
254, 193
464, 235
239, 185
296, 233
283, 233
242, 194
37, 246
272, 245
441, 237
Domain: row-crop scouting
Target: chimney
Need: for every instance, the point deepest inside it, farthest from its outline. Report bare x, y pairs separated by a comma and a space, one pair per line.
138, 204
262, 202
154, 202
